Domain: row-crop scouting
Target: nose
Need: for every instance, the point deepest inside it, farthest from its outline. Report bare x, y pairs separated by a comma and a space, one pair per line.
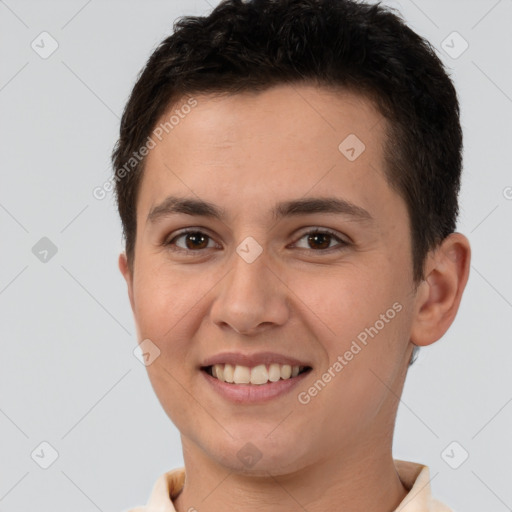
251, 298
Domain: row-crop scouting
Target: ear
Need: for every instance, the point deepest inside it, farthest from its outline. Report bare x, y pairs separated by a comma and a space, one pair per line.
124, 267
439, 294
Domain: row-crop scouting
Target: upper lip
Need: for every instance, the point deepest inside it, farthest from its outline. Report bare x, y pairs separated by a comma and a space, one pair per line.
251, 360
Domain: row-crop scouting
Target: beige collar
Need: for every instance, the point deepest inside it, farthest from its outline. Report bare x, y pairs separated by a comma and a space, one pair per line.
415, 477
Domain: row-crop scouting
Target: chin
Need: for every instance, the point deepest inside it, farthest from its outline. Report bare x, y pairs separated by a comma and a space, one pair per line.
259, 456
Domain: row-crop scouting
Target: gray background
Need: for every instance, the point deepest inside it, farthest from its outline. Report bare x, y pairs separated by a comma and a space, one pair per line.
68, 375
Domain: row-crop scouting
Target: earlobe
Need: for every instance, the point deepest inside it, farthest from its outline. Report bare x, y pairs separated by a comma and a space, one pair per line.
439, 295
124, 267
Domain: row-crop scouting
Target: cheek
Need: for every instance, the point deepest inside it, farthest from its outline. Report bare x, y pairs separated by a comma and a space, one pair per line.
359, 381
164, 311
342, 303
362, 320
163, 298
164, 314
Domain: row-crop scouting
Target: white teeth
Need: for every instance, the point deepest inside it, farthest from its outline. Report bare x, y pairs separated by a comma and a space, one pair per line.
261, 374
241, 375
286, 371
228, 372
274, 372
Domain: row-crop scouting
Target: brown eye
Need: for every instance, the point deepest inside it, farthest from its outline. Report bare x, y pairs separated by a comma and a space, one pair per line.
196, 241
190, 241
319, 240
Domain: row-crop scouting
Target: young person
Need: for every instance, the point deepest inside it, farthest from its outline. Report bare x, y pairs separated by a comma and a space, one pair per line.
287, 176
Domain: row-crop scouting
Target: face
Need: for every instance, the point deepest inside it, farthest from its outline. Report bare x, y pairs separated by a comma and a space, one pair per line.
269, 242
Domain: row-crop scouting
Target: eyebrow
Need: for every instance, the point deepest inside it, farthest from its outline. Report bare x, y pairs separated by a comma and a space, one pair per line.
197, 207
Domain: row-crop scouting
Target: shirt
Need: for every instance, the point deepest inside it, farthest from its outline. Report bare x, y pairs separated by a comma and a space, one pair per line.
415, 477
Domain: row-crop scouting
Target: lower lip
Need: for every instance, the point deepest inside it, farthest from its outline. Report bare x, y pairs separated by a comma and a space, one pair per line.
254, 393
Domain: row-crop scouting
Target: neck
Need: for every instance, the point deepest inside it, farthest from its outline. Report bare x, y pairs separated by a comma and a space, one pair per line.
343, 482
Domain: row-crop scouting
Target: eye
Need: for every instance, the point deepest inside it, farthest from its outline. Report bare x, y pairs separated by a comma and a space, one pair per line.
193, 240
320, 240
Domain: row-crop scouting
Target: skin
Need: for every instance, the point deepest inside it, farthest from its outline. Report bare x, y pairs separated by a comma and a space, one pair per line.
245, 153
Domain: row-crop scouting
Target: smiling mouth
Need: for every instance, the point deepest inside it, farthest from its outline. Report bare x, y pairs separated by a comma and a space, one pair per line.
257, 375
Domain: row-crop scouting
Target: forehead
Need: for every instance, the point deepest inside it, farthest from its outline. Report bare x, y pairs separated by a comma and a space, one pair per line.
284, 141
294, 112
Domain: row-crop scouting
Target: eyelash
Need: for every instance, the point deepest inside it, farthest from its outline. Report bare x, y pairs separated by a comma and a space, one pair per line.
191, 252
